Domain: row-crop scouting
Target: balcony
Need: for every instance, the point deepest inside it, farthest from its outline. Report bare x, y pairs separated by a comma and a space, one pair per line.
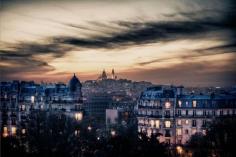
149, 107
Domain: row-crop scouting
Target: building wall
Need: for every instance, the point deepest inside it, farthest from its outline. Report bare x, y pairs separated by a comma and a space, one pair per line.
176, 118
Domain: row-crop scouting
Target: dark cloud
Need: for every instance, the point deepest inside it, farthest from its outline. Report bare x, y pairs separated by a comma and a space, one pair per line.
135, 33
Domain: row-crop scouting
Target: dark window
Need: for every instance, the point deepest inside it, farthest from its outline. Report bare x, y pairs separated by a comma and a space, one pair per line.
186, 131
221, 112
194, 123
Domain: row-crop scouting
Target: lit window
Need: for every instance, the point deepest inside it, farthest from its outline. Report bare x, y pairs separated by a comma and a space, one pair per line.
141, 121
194, 130
78, 116
23, 131
180, 103
5, 131
23, 107
32, 99
167, 105
186, 103
13, 130
179, 132
157, 123
167, 124
152, 123
204, 132
186, 131
149, 132
194, 103
179, 122
186, 122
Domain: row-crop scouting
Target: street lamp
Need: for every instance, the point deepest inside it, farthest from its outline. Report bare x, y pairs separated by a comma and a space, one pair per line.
89, 128
179, 150
113, 133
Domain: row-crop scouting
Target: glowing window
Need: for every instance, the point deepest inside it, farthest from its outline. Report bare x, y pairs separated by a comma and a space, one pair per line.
23, 131
167, 105
157, 123
194, 130
78, 116
152, 123
194, 103
32, 99
5, 131
186, 122
179, 122
149, 132
186, 103
167, 124
13, 130
179, 131
180, 103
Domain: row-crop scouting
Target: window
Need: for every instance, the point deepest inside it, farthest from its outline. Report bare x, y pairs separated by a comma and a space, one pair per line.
186, 131
167, 113
179, 112
167, 134
194, 123
194, 103
186, 112
186, 103
204, 113
204, 123
204, 132
167, 124
152, 123
179, 132
157, 123
194, 113
167, 105
214, 113
179, 122
221, 112
194, 130
180, 103
186, 122
78, 116
149, 132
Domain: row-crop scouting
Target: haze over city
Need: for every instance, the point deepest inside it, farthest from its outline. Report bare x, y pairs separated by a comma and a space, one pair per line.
189, 42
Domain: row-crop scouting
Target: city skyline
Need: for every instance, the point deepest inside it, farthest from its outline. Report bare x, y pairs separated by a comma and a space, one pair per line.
165, 42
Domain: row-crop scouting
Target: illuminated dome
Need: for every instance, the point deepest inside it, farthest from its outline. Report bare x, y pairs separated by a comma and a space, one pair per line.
74, 84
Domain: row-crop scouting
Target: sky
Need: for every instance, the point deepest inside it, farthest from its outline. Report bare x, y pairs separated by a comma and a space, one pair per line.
182, 42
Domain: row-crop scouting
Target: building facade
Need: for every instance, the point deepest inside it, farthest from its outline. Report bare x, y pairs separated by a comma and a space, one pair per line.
175, 117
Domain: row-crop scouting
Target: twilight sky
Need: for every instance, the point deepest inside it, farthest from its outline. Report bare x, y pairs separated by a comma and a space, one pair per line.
188, 42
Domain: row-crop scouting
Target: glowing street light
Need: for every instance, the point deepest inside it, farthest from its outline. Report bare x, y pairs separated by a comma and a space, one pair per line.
113, 133
23, 131
89, 128
179, 149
